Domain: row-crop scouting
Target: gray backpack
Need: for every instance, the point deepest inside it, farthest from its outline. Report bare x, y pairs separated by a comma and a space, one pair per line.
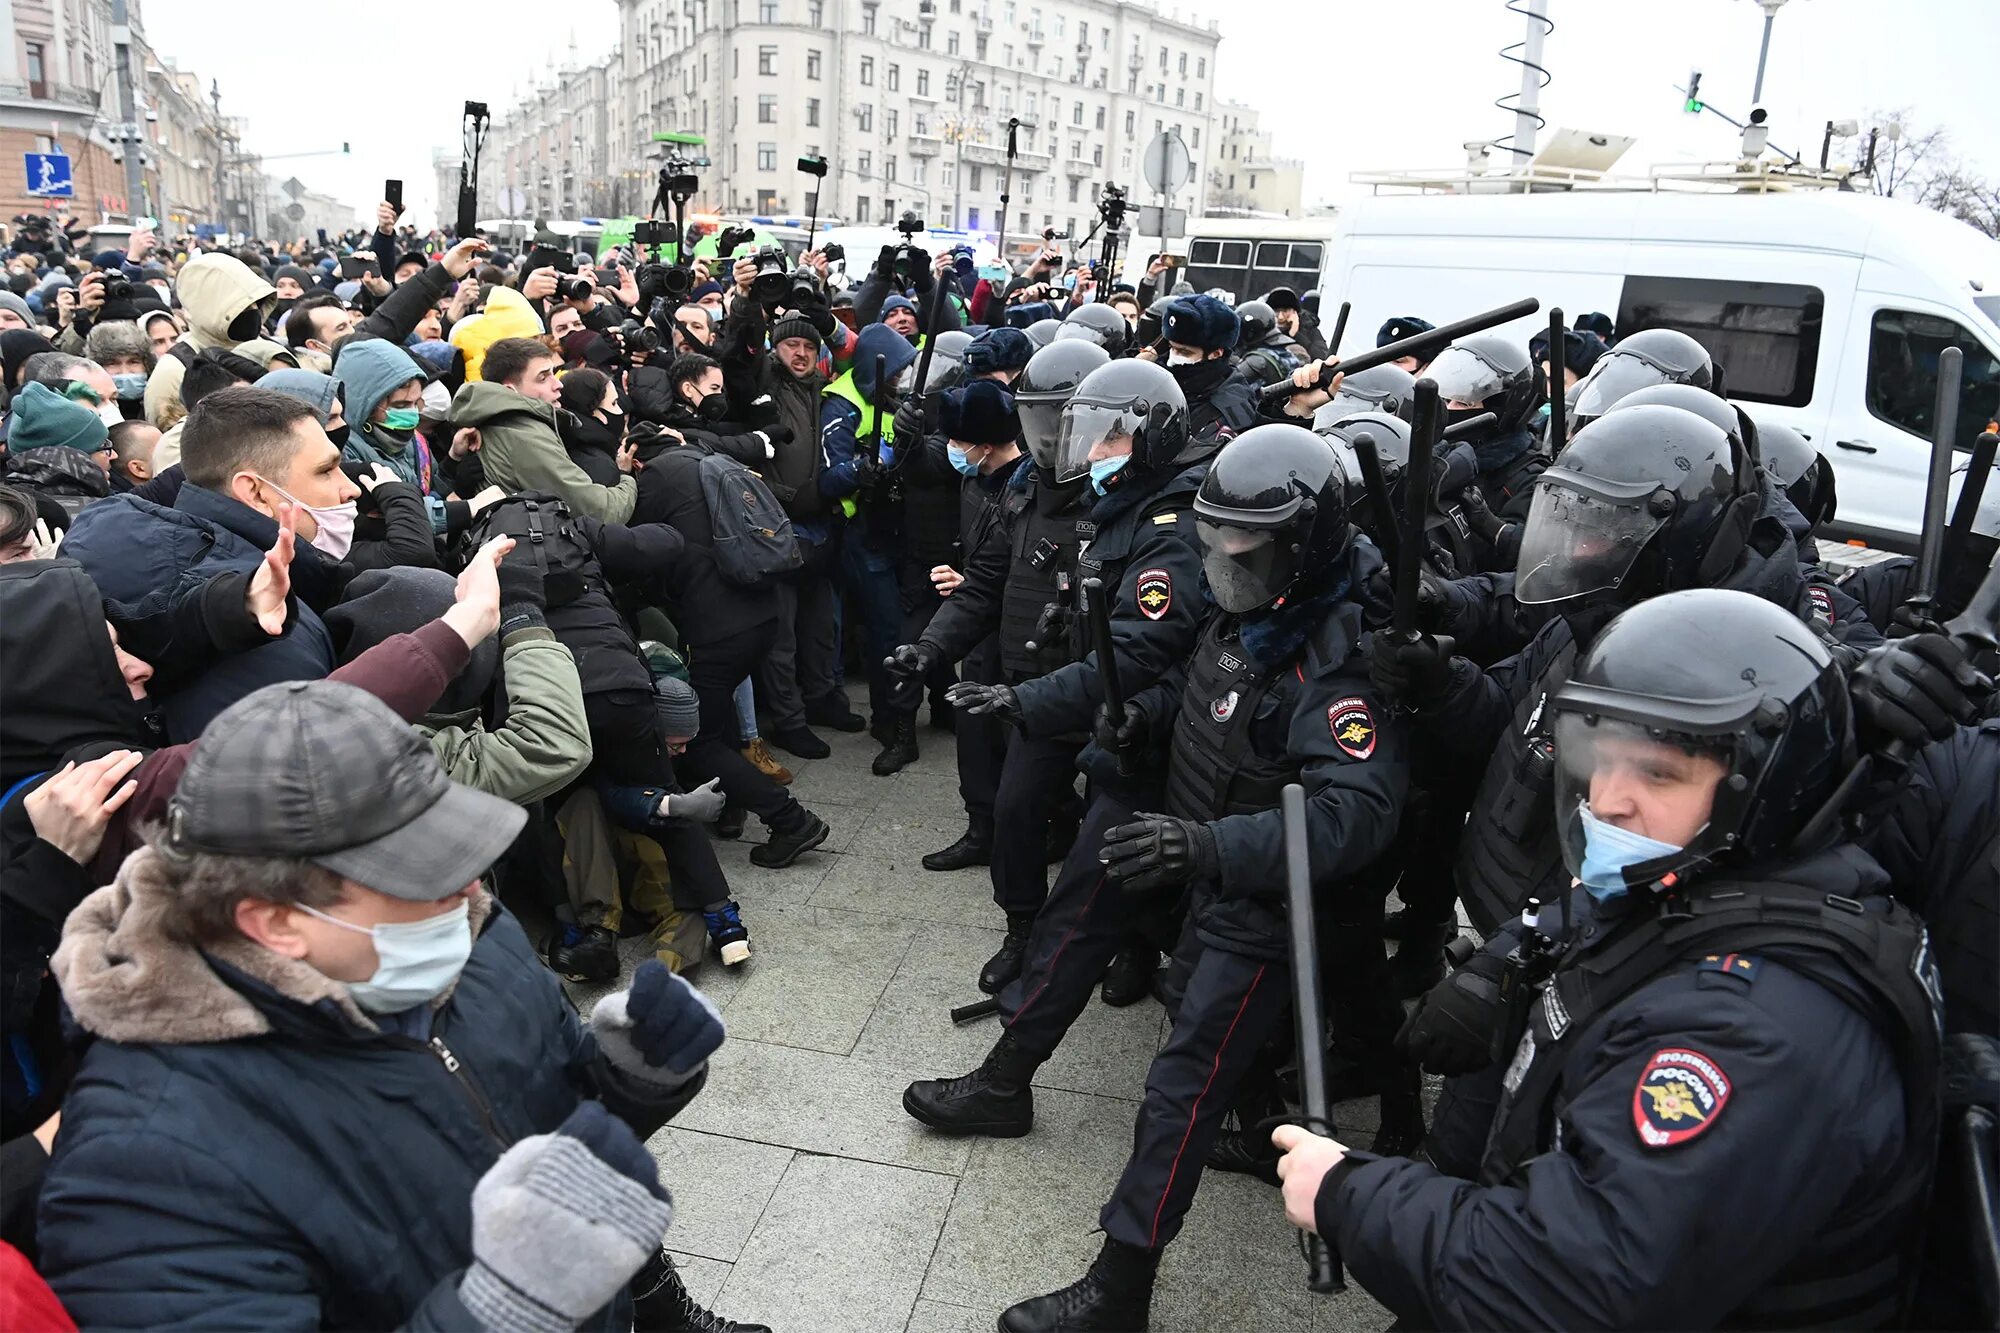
753, 534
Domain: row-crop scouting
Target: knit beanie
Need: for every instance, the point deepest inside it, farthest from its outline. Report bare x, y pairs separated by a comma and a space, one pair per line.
43, 419
10, 301
794, 325
897, 302
678, 706
382, 603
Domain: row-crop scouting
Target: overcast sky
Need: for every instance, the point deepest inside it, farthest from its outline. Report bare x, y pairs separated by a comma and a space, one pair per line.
1363, 85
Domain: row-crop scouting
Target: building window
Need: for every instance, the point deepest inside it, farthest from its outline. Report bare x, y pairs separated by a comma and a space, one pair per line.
1076, 115
972, 178
864, 162
733, 113
972, 219
1163, 60
1097, 155
1197, 138
767, 11
38, 77
895, 78
816, 13
1253, 181
951, 38
767, 109
924, 36
868, 71
889, 119
917, 172
867, 118
767, 60
1007, 54
923, 83
1074, 186
889, 167
1201, 67
767, 157
1100, 118
735, 62
812, 64
812, 112
860, 206
1180, 97
888, 211
868, 19
1131, 122
1197, 101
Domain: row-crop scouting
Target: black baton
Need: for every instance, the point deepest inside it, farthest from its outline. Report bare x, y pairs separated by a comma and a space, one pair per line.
1322, 1261
1107, 666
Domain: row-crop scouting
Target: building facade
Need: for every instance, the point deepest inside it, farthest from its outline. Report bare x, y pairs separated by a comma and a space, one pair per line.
908, 100
1246, 176
58, 94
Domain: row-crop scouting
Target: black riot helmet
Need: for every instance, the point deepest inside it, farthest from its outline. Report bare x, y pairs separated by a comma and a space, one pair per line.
1799, 470
1488, 372
1044, 389
1124, 400
1044, 331
1096, 322
1392, 445
1384, 388
1649, 500
1729, 419
1705, 685
1257, 319
947, 369
1645, 358
1272, 516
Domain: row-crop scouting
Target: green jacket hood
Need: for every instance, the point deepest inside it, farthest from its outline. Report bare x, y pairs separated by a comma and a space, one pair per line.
482, 404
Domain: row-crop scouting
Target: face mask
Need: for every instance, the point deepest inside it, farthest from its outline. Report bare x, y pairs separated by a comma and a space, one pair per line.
712, 408
109, 414
1608, 850
1181, 359
1104, 469
612, 416
336, 523
414, 960
401, 420
338, 434
961, 460
131, 388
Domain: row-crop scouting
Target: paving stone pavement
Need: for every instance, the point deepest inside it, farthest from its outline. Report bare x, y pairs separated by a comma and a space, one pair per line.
806, 1199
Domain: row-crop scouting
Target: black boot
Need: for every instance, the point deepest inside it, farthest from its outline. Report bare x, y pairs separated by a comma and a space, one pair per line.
973, 848
1005, 965
835, 712
993, 1099
1129, 979
1115, 1296
790, 839
1245, 1153
899, 749
661, 1304
1402, 1126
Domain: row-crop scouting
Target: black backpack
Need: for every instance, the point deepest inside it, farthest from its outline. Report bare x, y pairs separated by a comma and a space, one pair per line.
753, 533
541, 528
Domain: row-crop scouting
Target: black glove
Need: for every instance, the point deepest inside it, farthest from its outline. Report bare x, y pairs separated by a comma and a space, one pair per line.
908, 423
1483, 520
522, 596
867, 467
1432, 608
1451, 1029
780, 434
885, 263
981, 700
1912, 618
1120, 734
1915, 690
822, 319
1418, 671
912, 661
1157, 852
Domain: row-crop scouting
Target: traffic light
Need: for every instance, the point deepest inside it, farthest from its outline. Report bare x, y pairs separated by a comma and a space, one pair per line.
1693, 105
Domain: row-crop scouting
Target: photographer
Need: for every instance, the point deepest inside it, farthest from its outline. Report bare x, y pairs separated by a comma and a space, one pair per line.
902, 285
698, 411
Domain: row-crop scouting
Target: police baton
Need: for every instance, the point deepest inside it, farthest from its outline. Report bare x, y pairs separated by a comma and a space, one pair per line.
1384, 528
1937, 489
1417, 344
1978, 470
1558, 400
1322, 1261
1417, 508
1339, 327
1097, 606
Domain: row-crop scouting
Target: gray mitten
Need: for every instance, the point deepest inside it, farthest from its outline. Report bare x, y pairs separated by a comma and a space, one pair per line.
561, 1223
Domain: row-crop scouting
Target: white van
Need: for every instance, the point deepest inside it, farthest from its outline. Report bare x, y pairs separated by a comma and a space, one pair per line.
1827, 310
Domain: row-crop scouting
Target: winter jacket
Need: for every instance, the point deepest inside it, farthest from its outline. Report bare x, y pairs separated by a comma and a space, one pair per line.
543, 743
214, 289
244, 1147
69, 477
140, 553
367, 373
593, 446
521, 449
705, 606
507, 315
403, 309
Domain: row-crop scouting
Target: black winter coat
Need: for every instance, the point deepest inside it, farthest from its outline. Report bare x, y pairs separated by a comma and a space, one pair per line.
706, 607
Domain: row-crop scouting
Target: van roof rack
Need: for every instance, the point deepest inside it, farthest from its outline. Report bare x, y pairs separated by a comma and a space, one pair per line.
1579, 160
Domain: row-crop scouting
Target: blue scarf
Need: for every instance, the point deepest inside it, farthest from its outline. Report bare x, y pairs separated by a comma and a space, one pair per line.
1273, 638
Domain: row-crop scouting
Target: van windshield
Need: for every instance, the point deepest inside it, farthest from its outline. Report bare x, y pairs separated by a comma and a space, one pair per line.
1989, 306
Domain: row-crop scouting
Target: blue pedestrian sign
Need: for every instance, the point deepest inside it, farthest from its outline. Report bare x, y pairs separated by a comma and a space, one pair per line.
48, 175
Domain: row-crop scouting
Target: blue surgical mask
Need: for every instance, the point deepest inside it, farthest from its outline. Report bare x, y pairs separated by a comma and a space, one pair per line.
415, 961
1608, 850
1104, 469
961, 460
131, 388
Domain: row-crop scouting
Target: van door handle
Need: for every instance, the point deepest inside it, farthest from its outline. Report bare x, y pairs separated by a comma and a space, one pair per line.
1858, 446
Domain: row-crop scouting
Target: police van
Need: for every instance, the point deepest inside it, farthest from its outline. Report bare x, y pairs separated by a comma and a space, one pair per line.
1826, 309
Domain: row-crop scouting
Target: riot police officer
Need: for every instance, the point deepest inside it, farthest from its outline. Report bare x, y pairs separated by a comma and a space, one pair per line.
1266, 355
1275, 692
1489, 372
1720, 1107
1201, 332
1097, 322
1126, 429
1805, 476
1640, 360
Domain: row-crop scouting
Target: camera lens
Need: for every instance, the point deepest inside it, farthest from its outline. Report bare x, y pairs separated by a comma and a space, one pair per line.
677, 281
575, 289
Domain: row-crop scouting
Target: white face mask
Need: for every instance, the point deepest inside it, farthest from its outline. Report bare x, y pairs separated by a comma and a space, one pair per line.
1181, 359
334, 530
109, 414
415, 961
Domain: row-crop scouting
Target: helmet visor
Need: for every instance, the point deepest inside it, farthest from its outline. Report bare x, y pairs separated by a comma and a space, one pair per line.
1464, 376
1615, 375
1085, 426
1579, 541
1041, 426
1246, 567
946, 372
905, 380
1640, 779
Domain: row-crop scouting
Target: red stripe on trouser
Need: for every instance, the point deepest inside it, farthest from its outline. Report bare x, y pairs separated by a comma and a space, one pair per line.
1194, 1112
1064, 944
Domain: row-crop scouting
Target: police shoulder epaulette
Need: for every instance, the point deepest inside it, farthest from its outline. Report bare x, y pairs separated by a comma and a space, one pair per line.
1742, 966
1167, 519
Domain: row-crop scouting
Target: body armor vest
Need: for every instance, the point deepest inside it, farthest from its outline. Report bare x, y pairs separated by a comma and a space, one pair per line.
1213, 770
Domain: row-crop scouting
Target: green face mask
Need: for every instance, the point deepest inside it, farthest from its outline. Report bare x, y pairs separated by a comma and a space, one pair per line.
400, 419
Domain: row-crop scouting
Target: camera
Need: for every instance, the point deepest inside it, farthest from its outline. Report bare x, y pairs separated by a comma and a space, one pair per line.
651, 232
909, 224
911, 258
575, 289
802, 290
774, 276
1111, 206
834, 252
117, 287
731, 239
639, 337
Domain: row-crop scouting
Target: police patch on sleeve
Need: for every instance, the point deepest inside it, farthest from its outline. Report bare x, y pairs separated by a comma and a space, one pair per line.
1353, 726
1155, 591
1680, 1094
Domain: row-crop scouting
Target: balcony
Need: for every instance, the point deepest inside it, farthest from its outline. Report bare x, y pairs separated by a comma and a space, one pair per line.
1077, 168
924, 145
987, 154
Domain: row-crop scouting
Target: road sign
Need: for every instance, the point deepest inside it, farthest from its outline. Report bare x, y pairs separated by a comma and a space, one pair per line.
48, 176
1169, 224
1168, 166
293, 187
295, 212
513, 201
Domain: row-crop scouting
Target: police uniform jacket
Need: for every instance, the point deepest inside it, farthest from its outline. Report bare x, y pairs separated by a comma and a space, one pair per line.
988, 507
1728, 1145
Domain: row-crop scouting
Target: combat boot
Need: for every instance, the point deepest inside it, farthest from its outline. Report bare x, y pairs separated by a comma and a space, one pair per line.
661, 1304
1115, 1296
993, 1099
1005, 965
899, 747
1129, 979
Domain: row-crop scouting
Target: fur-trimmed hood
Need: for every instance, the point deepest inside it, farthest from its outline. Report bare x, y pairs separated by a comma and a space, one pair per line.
126, 978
